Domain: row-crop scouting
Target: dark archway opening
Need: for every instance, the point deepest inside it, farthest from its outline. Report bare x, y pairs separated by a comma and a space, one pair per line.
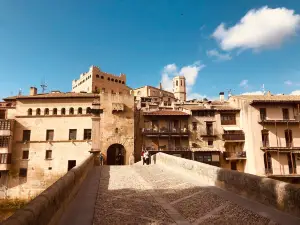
116, 155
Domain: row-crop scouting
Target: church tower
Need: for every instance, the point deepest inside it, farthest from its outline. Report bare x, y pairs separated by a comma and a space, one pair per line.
179, 88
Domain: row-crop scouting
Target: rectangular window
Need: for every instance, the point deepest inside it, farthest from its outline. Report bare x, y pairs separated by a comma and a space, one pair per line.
48, 154
23, 172
72, 134
25, 154
5, 158
49, 135
285, 114
4, 141
210, 142
228, 119
263, 113
209, 128
87, 134
26, 135
2, 114
194, 125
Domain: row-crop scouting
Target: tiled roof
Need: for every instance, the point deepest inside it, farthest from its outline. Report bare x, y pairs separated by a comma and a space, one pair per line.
223, 107
54, 95
166, 113
269, 98
154, 88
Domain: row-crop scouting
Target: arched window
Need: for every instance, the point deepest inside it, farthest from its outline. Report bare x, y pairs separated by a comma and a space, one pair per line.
119, 81
102, 77
38, 111
117, 130
29, 112
46, 111
108, 78
123, 82
116, 81
71, 111
88, 110
97, 76
176, 82
268, 163
180, 82
79, 110
55, 111
112, 80
63, 111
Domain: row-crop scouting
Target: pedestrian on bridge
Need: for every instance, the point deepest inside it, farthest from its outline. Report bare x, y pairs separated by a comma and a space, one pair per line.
101, 159
146, 157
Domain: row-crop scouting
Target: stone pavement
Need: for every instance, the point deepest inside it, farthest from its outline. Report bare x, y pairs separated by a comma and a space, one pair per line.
157, 195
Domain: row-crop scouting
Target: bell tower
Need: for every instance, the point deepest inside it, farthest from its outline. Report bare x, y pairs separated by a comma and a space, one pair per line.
179, 88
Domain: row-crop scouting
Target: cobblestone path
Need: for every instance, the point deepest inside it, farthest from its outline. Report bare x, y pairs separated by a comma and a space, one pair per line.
156, 195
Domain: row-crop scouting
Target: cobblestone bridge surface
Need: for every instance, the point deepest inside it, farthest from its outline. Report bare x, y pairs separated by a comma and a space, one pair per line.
157, 195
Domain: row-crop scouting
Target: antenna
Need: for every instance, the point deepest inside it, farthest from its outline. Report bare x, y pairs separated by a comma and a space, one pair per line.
43, 85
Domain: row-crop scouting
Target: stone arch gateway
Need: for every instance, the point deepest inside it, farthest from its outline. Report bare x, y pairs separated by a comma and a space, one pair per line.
116, 154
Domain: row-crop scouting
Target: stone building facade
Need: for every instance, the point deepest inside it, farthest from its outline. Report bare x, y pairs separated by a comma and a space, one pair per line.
42, 136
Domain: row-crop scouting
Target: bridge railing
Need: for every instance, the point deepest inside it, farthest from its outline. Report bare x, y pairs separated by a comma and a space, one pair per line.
281, 195
47, 208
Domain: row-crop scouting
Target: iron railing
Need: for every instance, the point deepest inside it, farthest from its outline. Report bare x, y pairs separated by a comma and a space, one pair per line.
233, 137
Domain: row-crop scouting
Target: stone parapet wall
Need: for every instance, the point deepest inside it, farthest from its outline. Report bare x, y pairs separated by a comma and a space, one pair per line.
48, 207
281, 195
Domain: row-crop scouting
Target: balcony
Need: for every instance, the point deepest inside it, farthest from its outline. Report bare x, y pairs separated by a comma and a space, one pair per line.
284, 120
117, 107
209, 133
234, 137
288, 146
234, 155
165, 132
167, 148
5, 161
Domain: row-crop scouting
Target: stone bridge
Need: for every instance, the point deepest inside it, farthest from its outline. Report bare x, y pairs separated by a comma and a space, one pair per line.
170, 191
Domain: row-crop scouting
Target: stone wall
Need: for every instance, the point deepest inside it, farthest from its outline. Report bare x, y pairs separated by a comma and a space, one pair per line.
48, 207
281, 195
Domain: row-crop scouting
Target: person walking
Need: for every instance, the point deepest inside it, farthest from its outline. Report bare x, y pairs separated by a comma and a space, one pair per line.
142, 156
101, 159
146, 157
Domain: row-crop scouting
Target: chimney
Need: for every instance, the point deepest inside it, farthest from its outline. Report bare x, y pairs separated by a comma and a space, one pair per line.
160, 87
33, 91
221, 96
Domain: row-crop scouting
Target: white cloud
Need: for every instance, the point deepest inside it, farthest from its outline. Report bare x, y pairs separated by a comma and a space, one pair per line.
219, 56
296, 92
259, 29
244, 83
288, 82
253, 93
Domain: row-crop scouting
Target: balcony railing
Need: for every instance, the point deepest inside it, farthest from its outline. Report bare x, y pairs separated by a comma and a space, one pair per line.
5, 158
234, 155
168, 148
284, 120
286, 146
165, 131
233, 137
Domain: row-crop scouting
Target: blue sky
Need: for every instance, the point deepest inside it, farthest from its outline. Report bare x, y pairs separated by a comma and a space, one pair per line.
151, 41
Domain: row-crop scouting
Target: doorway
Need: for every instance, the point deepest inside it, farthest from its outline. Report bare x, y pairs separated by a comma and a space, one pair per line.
116, 155
233, 165
71, 164
292, 163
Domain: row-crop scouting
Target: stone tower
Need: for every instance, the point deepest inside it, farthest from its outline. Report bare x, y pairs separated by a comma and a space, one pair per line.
179, 88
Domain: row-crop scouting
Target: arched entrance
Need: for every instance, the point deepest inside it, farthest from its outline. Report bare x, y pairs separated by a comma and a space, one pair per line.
116, 155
